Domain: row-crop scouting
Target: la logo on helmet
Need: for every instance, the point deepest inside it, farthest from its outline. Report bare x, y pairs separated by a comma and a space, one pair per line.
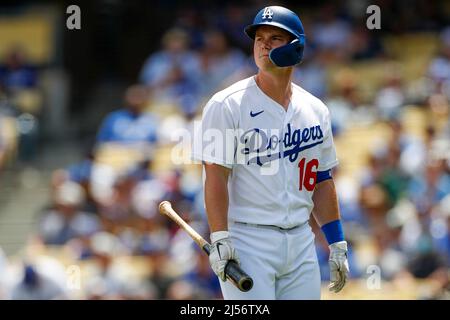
267, 14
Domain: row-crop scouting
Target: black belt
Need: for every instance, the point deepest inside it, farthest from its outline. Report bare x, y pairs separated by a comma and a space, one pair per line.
269, 226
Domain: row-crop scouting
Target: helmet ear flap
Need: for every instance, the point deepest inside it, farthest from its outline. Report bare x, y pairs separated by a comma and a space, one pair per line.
288, 55
301, 45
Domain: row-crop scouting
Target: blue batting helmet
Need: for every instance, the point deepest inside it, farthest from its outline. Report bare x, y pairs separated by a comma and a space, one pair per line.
287, 55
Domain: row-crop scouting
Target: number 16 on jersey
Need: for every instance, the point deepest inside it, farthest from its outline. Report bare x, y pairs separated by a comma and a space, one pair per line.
307, 177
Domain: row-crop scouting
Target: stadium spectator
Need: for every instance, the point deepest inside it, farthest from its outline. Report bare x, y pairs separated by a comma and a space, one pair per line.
439, 67
220, 64
390, 97
346, 105
64, 220
35, 285
203, 278
331, 33
130, 124
173, 72
16, 73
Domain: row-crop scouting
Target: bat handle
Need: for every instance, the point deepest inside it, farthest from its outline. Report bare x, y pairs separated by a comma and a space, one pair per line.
234, 273
242, 280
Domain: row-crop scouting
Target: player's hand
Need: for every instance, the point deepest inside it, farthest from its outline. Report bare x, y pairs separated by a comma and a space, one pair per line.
221, 252
338, 265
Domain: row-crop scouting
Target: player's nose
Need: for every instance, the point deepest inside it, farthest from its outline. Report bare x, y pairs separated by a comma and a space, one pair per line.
265, 44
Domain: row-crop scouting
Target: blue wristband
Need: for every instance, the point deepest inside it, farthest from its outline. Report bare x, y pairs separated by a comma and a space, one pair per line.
333, 231
323, 175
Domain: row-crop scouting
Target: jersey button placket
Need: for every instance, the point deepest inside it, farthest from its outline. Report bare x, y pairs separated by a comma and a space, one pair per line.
286, 166
283, 164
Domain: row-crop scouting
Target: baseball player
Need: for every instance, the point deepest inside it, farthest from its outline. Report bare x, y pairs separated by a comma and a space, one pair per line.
267, 151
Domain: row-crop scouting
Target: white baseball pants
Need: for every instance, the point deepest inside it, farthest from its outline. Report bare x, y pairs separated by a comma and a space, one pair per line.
282, 263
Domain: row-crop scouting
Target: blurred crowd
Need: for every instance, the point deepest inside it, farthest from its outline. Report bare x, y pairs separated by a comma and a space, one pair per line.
103, 213
20, 107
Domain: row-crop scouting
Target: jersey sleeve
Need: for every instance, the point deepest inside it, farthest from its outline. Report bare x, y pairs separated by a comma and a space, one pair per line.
214, 139
328, 156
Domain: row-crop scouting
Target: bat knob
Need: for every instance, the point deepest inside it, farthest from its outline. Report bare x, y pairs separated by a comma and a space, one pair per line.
163, 204
246, 284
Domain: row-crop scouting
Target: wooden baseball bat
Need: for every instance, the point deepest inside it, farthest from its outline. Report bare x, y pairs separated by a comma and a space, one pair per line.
233, 271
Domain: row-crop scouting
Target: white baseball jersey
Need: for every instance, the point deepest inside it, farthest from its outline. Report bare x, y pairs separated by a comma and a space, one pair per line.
274, 154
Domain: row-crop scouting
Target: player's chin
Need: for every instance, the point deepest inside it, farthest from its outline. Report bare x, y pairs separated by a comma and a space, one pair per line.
265, 63
264, 58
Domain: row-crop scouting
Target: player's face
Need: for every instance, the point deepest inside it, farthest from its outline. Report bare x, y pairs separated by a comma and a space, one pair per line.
266, 39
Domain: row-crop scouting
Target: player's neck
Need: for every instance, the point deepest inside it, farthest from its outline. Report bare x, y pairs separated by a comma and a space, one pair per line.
276, 86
